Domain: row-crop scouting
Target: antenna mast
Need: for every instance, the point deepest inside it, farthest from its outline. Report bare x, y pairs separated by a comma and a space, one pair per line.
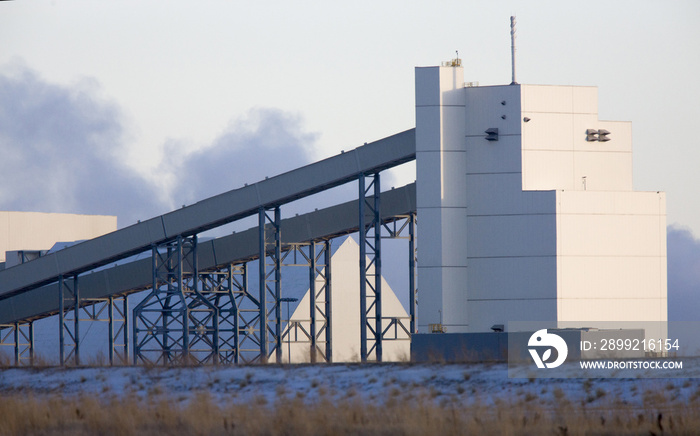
512, 48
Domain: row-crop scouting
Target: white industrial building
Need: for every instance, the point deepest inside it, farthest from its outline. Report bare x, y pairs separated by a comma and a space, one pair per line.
527, 209
25, 235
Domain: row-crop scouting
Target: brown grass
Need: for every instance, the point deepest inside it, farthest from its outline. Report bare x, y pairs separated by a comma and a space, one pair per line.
408, 414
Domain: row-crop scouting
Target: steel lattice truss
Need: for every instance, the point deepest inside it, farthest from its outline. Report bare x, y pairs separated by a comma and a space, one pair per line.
20, 337
175, 323
212, 315
316, 331
198, 317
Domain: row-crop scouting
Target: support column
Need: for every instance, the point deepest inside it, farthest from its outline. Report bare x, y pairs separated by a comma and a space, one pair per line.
76, 319
370, 267
412, 261
328, 303
244, 316
16, 338
20, 336
68, 304
312, 302
270, 243
320, 301
174, 323
119, 317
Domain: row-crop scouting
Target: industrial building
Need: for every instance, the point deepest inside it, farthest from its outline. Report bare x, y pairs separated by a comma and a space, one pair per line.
25, 235
526, 208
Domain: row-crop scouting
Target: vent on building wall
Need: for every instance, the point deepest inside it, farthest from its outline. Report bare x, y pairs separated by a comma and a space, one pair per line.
593, 135
492, 134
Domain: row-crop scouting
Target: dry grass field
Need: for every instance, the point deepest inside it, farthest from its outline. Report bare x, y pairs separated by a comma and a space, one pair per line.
57, 415
337, 400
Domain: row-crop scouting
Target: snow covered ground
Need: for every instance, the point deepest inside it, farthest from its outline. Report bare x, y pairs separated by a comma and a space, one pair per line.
484, 384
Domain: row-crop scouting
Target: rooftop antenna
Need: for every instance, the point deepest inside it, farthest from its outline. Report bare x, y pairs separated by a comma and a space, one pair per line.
512, 47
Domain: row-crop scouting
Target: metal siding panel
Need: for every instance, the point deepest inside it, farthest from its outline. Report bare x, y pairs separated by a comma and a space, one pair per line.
604, 171
484, 110
484, 314
605, 310
609, 277
512, 277
427, 128
206, 255
451, 86
494, 194
512, 235
549, 131
609, 235
547, 98
585, 99
427, 86
547, 170
502, 156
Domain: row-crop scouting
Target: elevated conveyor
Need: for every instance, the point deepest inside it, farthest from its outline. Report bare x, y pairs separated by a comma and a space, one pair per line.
207, 214
214, 254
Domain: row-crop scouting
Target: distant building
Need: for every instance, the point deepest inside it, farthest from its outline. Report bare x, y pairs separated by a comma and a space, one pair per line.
527, 210
25, 235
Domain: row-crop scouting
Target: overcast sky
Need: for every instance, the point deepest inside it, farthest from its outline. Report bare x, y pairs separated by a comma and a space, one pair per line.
180, 77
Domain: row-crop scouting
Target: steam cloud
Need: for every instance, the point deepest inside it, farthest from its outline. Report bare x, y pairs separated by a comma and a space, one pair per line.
63, 147
683, 274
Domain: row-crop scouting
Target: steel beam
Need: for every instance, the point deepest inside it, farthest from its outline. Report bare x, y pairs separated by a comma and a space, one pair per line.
412, 262
315, 331
20, 337
247, 325
270, 278
404, 227
370, 267
68, 319
175, 323
119, 335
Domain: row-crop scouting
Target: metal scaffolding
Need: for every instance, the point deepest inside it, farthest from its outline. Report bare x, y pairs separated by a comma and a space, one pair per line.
239, 313
199, 317
316, 331
211, 315
404, 227
20, 337
175, 323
